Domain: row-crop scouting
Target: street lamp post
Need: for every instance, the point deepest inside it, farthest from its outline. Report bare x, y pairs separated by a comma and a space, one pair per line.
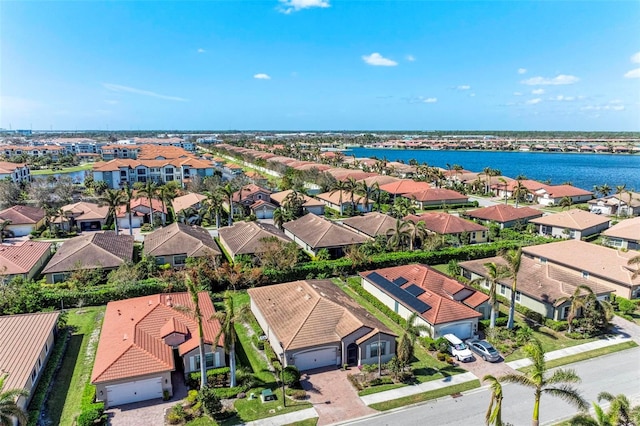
284, 395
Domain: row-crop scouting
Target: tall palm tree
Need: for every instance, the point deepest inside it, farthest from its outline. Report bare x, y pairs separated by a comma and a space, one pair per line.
280, 216
494, 412
148, 190
513, 259
635, 261
418, 233
351, 187
605, 190
519, 192
620, 411
577, 300
495, 273
193, 291
113, 198
407, 341
3, 226
227, 192
9, 410
558, 384
167, 193
585, 419
339, 187
127, 196
565, 202
367, 191
228, 318
399, 235
212, 206
619, 190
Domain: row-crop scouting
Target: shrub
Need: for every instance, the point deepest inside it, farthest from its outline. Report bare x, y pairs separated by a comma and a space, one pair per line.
146, 228
210, 401
91, 417
219, 376
626, 306
299, 394
441, 356
176, 415
291, 375
227, 393
556, 325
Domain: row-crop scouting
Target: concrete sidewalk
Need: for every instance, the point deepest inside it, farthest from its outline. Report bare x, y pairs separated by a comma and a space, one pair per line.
285, 419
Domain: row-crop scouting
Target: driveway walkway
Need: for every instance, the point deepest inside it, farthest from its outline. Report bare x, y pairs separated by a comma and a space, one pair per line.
333, 396
626, 328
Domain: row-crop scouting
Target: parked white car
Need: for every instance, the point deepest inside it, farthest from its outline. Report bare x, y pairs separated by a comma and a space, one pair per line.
458, 349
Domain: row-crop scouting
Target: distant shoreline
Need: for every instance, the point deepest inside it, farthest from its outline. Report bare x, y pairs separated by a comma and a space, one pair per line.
351, 148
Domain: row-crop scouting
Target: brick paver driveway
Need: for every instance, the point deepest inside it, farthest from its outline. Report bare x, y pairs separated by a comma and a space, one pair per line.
333, 396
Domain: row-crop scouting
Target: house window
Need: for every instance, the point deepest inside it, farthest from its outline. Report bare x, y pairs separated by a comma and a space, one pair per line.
585, 275
179, 259
160, 260
34, 374
58, 278
374, 349
565, 312
46, 348
485, 283
503, 289
210, 361
39, 363
518, 294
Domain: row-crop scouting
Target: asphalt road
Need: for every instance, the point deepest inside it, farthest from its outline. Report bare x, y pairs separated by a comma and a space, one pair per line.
616, 373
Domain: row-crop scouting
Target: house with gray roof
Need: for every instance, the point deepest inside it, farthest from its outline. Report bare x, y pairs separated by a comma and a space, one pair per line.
247, 238
371, 224
174, 243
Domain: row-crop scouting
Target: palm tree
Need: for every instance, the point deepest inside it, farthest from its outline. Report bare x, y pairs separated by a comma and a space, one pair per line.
605, 190
418, 232
495, 273
519, 192
227, 192
368, 192
127, 198
3, 226
565, 202
167, 193
113, 198
620, 410
585, 419
513, 258
619, 190
577, 300
494, 412
407, 341
339, 187
399, 235
213, 206
635, 261
149, 190
228, 318
351, 186
280, 216
193, 290
9, 409
558, 384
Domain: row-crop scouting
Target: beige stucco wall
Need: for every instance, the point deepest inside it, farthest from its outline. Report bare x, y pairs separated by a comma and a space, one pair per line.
101, 388
189, 358
364, 349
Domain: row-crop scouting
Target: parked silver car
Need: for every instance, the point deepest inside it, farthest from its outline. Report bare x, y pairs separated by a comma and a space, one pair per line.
485, 350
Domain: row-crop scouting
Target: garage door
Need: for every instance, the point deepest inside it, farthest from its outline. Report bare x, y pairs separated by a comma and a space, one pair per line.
140, 390
461, 331
315, 359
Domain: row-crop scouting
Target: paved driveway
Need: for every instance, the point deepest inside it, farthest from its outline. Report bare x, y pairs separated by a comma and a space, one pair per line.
481, 368
332, 396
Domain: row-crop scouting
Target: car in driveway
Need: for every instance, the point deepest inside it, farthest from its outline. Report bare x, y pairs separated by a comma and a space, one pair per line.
485, 350
458, 349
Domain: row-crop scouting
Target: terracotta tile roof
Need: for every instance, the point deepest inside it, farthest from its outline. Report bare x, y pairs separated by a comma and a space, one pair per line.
186, 201
7, 167
502, 213
572, 219
279, 198
143, 202
404, 186
97, 250
178, 238
318, 232
21, 258
609, 263
118, 163
437, 194
248, 191
131, 341
22, 215
531, 185
445, 223
245, 237
310, 313
353, 174
446, 296
371, 224
628, 229
559, 191
334, 198
544, 282
317, 166
84, 211
23, 338
150, 152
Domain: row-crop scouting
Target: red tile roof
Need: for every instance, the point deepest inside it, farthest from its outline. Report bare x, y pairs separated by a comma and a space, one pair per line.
404, 186
444, 223
22, 215
21, 258
437, 194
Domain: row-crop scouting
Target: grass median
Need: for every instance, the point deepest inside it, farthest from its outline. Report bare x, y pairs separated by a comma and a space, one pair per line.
425, 396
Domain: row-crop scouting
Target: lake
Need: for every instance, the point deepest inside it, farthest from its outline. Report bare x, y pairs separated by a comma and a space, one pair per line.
582, 170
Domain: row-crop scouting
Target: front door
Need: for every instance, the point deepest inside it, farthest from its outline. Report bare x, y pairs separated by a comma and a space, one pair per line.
352, 354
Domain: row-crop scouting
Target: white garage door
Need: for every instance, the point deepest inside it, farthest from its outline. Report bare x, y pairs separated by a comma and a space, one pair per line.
140, 390
315, 359
461, 331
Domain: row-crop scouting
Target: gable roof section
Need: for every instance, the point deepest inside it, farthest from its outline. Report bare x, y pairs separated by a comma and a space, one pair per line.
178, 238
572, 219
628, 229
22, 215
21, 258
439, 292
84, 211
437, 194
444, 223
245, 237
7, 167
404, 186
318, 232
372, 224
279, 198
131, 342
503, 213
247, 191
559, 191
97, 250
313, 312
334, 197
185, 201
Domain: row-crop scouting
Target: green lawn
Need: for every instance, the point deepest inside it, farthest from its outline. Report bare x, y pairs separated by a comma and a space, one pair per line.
81, 167
63, 404
551, 341
202, 421
425, 396
308, 422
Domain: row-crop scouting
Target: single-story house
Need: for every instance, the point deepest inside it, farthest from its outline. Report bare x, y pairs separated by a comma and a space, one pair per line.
597, 264
97, 250
370, 224
332, 200
86, 216
247, 237
191, 200
625, 204
445, 224
404, 186
443, 304
25, 259
574, 223
174, 243
624, 235
314, 233
505, 215
311, 205
257, 178
24, 219
552, 195
540, 285
140, 209
313, 324
262, 209
144, 339
27, 341
436, 197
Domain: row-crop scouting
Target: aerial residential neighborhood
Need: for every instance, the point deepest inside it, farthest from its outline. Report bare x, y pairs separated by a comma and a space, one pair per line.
239, 281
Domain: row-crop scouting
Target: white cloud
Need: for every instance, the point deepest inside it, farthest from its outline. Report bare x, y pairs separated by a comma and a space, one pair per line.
560, 79
533, 101
430, 100
119, 88
603, 108
562, 98
517, 93
262, 76
635, 58
111, 101
633, 73
463, 87
201, 50
411, 58
537, 92
288, 6
378, 60
522, 70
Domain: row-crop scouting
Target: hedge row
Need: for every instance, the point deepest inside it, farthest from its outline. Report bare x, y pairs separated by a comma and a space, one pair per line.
213, 375
92, 413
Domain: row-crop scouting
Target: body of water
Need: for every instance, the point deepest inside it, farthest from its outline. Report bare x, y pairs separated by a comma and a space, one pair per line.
582, 170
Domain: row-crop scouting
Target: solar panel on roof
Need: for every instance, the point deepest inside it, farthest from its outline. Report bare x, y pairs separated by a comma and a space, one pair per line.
400, 281
398, 293
414, 290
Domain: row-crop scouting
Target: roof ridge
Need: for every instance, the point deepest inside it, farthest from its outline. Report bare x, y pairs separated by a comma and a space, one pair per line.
104, 370
324, 233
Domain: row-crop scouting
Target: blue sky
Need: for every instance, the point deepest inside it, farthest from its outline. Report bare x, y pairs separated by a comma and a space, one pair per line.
320, 64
